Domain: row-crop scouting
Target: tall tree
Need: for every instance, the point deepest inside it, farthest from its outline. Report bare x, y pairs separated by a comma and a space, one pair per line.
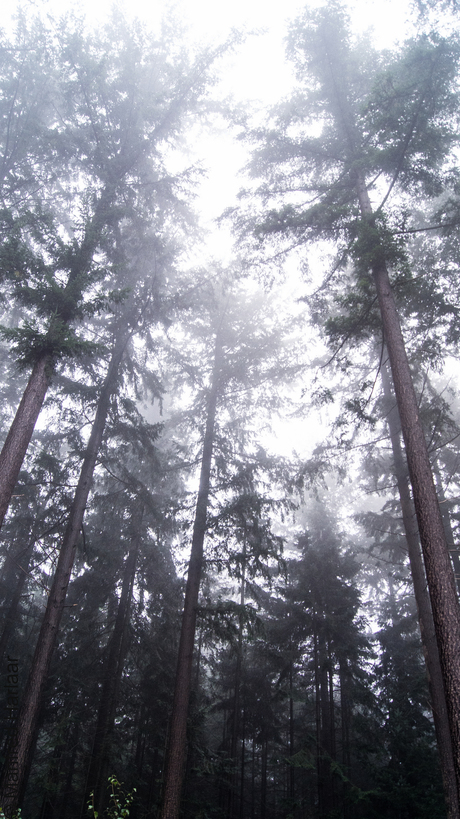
118, 99
144, 304
247, 355
424, 608
392, 124
177, 744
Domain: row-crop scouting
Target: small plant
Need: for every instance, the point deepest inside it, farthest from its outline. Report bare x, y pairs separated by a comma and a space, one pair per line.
16, 815
119, 802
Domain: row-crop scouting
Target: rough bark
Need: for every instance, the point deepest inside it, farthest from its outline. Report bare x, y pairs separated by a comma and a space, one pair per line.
439, 572
14, 775
242, 766
177, 745
263, 774
425, 616
450, 538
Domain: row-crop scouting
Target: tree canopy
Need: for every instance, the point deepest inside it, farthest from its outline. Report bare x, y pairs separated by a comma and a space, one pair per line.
212, 603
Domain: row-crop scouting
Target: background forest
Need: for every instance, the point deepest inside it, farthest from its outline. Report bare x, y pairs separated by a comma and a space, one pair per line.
212, 588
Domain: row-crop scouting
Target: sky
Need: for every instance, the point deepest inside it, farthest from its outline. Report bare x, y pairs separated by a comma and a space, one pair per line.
256, 74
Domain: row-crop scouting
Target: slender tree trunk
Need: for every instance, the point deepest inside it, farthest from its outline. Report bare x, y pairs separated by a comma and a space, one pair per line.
14, 775
177, 746
345, 730
242, 766
233, 790
67, 789
430, 647
263, 775
319, 763
141, 739
113, 670
20, 432
50, 796
253, 778
326, 783
291, 792
439, 572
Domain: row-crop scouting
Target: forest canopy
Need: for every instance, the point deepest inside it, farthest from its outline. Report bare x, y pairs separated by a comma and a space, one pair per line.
229, 502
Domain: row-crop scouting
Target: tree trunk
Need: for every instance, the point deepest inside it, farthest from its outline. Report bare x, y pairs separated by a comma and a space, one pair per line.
14, 774
439, 572
242, 766
325, 779
177, 746
263, 775
253, 778
453, 549
291, 785
97, 777
67, 790
20, 432
235, 720
319, 762
345, 725
430, 648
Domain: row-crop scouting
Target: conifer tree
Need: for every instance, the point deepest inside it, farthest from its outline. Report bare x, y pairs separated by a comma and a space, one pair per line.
391, 123
117, 99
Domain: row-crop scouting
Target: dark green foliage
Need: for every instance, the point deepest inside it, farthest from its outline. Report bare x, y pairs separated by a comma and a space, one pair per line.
296, 708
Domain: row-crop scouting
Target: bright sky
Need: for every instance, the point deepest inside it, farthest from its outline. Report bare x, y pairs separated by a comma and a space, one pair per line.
257, 74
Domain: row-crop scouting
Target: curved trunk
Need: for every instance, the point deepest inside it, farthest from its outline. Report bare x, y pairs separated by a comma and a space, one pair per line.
177, 746
14, 774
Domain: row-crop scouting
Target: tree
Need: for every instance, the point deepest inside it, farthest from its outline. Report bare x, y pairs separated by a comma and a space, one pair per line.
143, 305
247, 355
424, 608
391, 123
118, 100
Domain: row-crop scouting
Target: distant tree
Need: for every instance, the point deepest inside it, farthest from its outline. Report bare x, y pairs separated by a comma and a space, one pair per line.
247, 355
405, 741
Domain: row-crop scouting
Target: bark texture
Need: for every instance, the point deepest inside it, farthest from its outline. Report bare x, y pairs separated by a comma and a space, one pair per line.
425, 616
439, 572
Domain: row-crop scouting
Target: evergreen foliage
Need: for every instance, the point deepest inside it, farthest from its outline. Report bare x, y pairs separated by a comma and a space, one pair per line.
304, 692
